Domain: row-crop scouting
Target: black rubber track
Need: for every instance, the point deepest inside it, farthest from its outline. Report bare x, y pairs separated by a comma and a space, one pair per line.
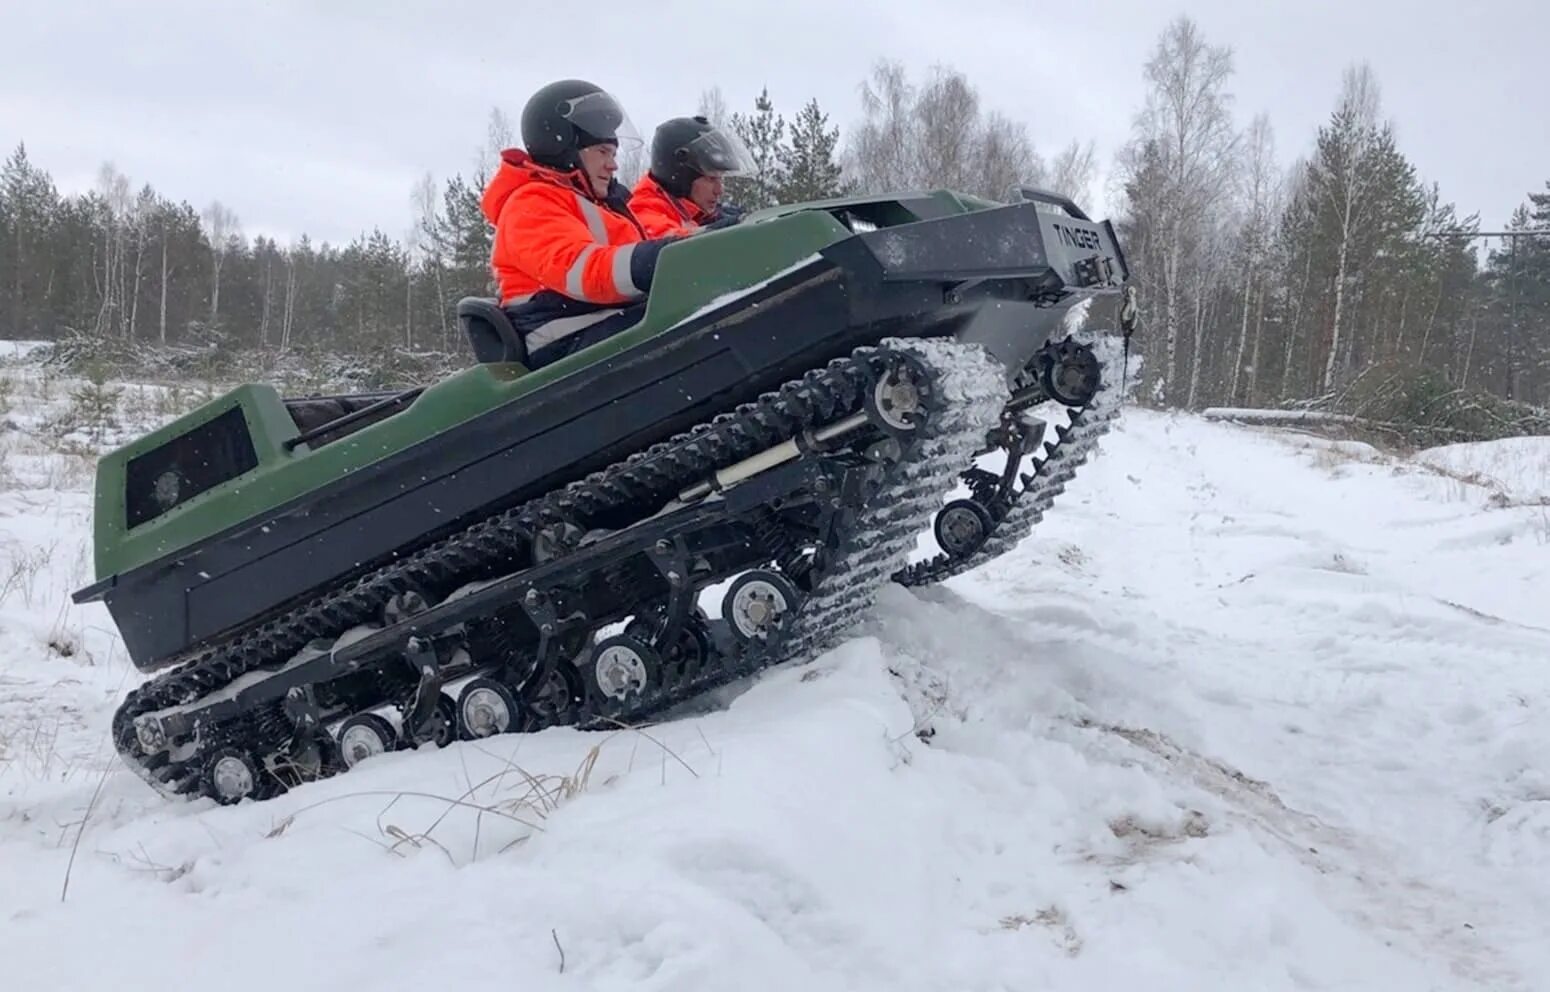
641, 484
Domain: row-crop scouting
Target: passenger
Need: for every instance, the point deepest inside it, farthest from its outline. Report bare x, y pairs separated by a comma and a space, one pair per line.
681, 192
573, 264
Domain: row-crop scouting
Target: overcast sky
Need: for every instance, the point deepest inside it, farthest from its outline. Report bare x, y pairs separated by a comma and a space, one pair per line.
318, 115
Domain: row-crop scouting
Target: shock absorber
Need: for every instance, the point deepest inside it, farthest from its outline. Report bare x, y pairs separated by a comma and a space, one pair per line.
782, 547
622, 582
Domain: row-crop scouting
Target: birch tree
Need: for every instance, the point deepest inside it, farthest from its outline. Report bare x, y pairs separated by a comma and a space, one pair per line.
288, 309
1260, 188
141, 219
946, 131
1002, 156
498, 136
1342, 181
221, 228
434, 246
1073, 170
936, 135
113, 190
879, 154
713, 106
1184, 146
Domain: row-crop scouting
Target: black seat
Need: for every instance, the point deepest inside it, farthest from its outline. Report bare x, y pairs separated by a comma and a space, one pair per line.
489, 331
322, 420
308, 412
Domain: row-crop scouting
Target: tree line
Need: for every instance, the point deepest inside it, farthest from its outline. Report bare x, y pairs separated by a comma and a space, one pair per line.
1344, 275
1344, 278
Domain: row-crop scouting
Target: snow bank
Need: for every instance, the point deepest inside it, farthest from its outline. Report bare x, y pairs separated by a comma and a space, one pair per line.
17, 350
1518, 467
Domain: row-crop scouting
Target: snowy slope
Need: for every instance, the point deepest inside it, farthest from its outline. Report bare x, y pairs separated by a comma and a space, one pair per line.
1250, 711
1517, 467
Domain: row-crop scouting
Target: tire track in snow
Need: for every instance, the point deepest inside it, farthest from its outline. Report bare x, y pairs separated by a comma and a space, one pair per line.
1368, 886
1377, 893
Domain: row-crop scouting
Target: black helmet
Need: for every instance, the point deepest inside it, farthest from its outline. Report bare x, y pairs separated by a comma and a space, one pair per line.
569, 115
686, 148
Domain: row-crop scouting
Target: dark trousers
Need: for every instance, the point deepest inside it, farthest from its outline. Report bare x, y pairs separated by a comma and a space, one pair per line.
586, 337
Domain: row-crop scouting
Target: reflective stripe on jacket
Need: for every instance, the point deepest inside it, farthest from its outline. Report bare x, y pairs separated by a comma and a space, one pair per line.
660, 212
552, 234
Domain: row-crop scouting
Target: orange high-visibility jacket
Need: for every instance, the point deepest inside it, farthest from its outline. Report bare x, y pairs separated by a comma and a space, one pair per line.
661, 213
552, 233
565, 259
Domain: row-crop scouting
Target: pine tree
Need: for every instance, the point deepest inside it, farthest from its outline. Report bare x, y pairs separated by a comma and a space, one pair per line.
467, 239
1365, 200
1511, 354
764, 132
32, 209
808, 166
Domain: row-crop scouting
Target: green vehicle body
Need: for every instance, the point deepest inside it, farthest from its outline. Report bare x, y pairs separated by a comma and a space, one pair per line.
690, 275
488, 527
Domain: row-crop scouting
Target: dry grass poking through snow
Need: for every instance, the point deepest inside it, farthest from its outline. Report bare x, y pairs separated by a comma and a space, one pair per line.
527, 804
52, 429
498, 813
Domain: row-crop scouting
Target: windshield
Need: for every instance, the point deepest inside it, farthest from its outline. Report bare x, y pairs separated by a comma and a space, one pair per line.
601, 116
719, 153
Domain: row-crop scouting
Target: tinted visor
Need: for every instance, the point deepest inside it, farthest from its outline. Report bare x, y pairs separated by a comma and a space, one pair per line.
718, 153
601, 116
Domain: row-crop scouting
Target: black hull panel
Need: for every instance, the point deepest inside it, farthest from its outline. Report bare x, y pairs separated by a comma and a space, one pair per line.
543, 441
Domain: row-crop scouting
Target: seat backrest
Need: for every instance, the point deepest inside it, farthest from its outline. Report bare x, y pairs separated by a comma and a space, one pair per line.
489, 331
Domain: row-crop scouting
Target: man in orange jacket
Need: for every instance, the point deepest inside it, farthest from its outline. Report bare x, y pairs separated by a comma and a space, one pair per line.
573, 263
681, 192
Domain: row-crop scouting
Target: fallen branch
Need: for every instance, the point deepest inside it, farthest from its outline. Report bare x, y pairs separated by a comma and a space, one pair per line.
1245, 415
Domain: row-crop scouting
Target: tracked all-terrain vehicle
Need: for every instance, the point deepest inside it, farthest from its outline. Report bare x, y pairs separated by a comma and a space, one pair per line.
317, 580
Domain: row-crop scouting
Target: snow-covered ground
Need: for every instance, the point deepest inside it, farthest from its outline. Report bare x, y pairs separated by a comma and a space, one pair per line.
1517, 468
1250, 711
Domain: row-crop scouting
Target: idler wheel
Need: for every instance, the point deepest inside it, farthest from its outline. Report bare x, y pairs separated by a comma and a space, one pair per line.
962, 526
898, 395
1070, 373
622, 669
364, 735
757, 603
230, 776
486, 708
